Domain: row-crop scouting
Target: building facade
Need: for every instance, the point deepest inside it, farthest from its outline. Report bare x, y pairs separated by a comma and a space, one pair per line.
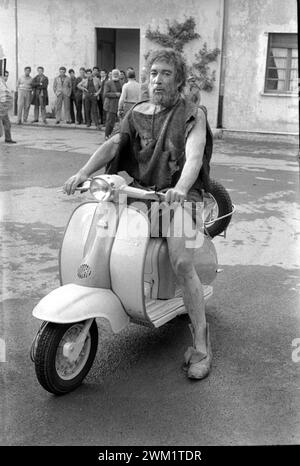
255, 73
260, 66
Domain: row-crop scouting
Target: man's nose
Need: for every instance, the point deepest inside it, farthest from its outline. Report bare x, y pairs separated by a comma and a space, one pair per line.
158, 78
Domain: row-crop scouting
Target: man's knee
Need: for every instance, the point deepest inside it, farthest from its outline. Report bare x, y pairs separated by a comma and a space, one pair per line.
182, 265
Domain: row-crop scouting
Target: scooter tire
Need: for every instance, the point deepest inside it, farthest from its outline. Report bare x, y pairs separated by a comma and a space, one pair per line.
45, 358
221, 197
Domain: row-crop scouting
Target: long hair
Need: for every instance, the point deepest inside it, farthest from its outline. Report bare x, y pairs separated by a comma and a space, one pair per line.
170, 56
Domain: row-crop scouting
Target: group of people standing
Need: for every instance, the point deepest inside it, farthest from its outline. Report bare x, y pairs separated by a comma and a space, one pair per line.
94, 96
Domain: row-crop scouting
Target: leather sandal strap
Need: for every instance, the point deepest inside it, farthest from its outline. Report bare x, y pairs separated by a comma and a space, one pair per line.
193, 356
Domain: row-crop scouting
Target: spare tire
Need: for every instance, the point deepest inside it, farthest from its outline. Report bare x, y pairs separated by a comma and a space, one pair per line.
217, 203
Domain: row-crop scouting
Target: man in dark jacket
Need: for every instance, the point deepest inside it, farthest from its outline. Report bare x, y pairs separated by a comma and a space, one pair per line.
40, 94
112, 93
79, 96
102, 113
72, 96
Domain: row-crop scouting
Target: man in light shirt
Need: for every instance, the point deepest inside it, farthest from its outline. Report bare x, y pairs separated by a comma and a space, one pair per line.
130, 94
24, 88
62, 88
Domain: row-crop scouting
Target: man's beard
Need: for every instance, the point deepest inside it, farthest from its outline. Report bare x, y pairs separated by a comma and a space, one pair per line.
166, 98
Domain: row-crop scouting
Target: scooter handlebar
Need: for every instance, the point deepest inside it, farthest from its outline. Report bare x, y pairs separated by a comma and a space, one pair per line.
139, 193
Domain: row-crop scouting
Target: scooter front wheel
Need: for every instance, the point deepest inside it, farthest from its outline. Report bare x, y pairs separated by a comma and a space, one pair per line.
56, 372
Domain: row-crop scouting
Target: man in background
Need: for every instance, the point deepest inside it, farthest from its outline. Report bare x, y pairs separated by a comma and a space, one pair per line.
79, 96
62, 89
102, 112
123, 78
91, 89
72, 96
112, 93
96, 72
40, 94
6, 103
24, 89
130, 94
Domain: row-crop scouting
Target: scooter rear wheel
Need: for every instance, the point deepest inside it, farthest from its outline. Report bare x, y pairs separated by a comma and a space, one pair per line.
217, 203
56, 373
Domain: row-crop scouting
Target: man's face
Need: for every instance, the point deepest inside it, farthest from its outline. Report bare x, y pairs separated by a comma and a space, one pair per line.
72, 74
102, 74
163, 88
40, 71
82, 73
115, 76
27, 72
88, 74
62, 72
6, 74
95, 72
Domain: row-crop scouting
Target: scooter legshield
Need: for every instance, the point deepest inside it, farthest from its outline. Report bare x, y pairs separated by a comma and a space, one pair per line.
74, 303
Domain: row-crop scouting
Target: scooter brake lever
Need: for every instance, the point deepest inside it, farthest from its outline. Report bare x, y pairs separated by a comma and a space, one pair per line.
85, 186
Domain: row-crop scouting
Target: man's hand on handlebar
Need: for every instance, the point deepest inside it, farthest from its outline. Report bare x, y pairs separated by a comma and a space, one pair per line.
175, 195
75, 180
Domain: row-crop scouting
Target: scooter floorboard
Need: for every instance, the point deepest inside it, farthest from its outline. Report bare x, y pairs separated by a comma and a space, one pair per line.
161, 311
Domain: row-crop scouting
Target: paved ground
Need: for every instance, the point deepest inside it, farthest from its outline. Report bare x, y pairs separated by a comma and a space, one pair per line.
136, 393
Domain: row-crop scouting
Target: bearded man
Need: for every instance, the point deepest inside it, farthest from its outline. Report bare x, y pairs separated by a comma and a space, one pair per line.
165, 144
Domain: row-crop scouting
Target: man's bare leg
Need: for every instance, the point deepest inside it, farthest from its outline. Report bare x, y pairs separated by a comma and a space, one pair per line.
182, 259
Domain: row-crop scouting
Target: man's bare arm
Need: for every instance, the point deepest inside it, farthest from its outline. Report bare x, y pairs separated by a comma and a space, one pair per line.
194, 150
98, 160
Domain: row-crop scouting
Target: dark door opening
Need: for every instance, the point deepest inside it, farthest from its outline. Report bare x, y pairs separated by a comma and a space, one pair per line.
106, 48
118, 48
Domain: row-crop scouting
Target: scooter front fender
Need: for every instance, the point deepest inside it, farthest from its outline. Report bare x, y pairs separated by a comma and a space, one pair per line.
74, 303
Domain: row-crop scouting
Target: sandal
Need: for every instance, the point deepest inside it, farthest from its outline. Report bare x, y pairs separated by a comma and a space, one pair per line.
198, 364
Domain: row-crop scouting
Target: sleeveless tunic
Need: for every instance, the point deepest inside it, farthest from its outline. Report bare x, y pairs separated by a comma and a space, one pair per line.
152, 147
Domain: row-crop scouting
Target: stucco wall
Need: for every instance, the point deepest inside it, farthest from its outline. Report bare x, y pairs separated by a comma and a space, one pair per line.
245, 106
62, 32
7, 35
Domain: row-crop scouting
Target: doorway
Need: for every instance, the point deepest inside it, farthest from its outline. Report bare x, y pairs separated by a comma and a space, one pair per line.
118, 48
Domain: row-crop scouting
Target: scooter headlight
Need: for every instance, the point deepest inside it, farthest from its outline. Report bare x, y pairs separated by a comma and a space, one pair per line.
100, 189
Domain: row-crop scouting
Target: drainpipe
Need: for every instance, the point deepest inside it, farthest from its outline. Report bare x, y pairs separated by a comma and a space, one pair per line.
17, 57
223, 64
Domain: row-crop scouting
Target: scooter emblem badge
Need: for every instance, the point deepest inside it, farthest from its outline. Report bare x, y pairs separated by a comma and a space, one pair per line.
84, 271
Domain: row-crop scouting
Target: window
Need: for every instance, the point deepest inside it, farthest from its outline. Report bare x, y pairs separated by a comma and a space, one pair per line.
282, 60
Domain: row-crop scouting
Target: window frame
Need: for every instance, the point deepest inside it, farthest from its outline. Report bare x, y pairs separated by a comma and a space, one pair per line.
274, 42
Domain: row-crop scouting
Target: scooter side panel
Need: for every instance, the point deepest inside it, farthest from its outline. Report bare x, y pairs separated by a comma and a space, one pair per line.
72, 248
128, 260
74, 303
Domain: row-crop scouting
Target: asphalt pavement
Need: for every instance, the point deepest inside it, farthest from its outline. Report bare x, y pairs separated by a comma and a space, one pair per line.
136, 392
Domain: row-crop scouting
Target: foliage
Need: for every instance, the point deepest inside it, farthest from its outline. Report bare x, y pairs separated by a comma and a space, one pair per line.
200, 68
177, 36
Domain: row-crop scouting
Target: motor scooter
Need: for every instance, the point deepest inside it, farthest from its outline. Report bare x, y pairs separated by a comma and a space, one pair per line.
111, 267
